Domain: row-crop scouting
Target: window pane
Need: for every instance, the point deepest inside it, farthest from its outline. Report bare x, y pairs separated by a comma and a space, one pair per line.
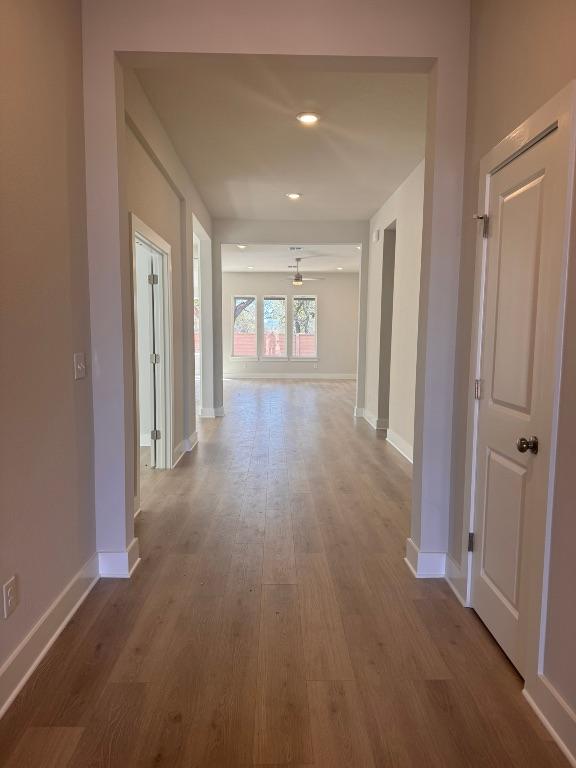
304, 327
245, 342
274, 327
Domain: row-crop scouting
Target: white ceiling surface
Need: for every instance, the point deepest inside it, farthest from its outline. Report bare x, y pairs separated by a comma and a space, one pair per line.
232, 120
277, 258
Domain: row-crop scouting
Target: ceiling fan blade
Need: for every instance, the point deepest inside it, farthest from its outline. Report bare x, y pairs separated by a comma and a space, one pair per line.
313, 278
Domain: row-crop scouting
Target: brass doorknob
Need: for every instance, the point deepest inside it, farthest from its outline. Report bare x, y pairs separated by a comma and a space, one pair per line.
527, 444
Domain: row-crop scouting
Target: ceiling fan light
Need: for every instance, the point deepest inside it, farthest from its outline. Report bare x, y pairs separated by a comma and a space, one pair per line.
297, 281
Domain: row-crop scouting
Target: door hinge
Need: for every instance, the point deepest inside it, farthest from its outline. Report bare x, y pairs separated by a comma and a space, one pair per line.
477, 389
470, 542
153, 279
155, 434
484, 218
154, 358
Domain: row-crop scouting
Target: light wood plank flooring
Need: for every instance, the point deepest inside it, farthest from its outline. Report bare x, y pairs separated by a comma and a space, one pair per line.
273, 621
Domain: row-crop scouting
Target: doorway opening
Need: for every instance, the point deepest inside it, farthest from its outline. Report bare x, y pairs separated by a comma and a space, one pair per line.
290, 311
152, 352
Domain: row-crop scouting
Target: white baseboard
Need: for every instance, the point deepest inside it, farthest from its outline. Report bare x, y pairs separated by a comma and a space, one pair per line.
358, 412
25, 658
401, 445
119, 565
303, 375
187, 445
557, 710
425, 565
374, 422
191, 442
211, 413
457, 579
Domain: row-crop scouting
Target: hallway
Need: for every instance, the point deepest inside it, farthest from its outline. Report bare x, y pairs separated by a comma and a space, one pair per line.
272, 619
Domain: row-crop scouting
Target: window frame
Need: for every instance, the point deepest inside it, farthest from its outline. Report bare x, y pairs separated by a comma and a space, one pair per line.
267, 358
294, 358
253, 358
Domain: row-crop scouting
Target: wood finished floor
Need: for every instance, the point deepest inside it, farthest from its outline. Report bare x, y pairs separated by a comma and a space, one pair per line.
273, 621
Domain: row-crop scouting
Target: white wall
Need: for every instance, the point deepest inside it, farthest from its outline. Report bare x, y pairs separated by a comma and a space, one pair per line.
337, 323
404, 210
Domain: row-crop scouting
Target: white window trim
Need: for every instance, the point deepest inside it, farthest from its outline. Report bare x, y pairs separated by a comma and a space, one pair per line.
245, 358
267, 358
293, 358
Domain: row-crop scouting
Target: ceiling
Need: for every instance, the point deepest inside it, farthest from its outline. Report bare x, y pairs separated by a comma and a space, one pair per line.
232, 120
277, 258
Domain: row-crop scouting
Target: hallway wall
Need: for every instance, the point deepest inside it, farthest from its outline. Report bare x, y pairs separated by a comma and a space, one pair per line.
160, 192
521, 54
337, 323
152, 199
46, 487
393, 400
524, 48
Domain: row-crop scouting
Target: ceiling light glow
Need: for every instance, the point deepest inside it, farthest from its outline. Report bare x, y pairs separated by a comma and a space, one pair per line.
307, 118
249, 267
340, 269
293, 195
240, 246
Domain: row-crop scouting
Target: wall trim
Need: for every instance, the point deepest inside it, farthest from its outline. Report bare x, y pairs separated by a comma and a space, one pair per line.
425, 565
401, 445
358, 412
185, 446
563, 716
375, 423
22, 662
334, 376
457, 579
119, 565
211, 413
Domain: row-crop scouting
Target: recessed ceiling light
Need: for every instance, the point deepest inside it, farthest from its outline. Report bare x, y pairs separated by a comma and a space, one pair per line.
358, 247
340, 269
249, 267
241, 247
307, 118
293, 195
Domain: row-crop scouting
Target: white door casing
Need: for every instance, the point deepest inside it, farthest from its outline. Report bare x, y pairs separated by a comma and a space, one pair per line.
162, 372
520, 320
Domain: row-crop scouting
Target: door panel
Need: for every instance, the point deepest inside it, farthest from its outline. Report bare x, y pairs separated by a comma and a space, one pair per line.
520, 215
502, 533
526, 201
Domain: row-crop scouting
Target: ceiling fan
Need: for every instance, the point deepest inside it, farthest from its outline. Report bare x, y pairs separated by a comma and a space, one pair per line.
297, 280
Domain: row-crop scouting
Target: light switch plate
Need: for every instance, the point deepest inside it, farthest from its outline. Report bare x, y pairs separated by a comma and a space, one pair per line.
79, 365
10, 595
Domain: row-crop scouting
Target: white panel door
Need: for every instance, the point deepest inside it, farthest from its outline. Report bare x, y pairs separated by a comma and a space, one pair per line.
518, 358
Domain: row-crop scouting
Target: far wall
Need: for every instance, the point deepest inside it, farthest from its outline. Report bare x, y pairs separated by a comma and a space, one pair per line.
337, 324
391, 403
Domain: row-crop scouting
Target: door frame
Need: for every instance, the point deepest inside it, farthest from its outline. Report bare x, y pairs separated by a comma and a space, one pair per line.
165, 449
558, 115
